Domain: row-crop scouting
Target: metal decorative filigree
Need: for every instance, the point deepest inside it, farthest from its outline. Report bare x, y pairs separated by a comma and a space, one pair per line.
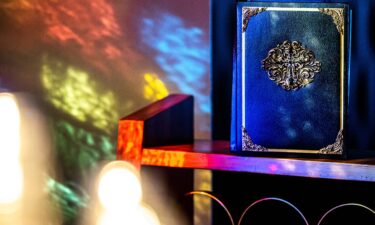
335, 148
251, 206
337, 16
291, 66
248, 145
247, 13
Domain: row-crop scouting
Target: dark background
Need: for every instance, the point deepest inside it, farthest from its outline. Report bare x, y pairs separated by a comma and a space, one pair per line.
312, 196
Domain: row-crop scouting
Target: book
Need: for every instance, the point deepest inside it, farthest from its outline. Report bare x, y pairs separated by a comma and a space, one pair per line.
290, 79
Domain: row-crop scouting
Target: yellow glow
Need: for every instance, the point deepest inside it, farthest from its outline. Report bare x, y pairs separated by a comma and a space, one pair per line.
11, 178
72, 91
11, 174
9, 128
138, 215
149, 216
24, 163
111, 219
154, 88
119, 186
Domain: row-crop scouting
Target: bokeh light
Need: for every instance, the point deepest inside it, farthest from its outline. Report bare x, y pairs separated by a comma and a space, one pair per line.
137, 215
119, 186
11, 177
149, 216
10, 128
11, 174
25, 163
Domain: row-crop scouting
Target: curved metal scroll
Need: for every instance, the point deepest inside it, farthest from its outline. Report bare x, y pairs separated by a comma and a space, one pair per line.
272, 199
248, 208
344, 205
275, 199
216, 199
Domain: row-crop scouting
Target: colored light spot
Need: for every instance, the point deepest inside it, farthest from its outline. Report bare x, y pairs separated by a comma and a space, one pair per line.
338, 171
154, 88
79, 150
70, 201
86, 31
291, 133
182, 52
71, 90
289, 166
273, 168
84, 22
307, 126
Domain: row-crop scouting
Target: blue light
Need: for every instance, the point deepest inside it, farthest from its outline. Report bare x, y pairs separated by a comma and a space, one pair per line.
182, 52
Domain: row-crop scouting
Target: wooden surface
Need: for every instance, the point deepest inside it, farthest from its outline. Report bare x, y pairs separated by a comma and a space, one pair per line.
169, 121
157, 107
215, 155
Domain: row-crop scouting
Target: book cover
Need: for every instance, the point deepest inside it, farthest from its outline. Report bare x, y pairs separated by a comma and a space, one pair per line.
290, 77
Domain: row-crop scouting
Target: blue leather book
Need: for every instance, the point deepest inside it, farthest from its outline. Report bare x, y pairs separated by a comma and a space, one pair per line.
290, 75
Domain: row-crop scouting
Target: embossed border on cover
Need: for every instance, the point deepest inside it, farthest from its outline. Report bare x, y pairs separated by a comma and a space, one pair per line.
337, 15
248, 144
338, 18
247, 13
335, 148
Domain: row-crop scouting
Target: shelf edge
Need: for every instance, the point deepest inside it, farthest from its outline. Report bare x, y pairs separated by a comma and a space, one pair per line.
272, 166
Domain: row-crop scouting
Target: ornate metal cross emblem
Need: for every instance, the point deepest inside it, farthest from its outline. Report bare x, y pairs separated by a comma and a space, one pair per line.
291, 65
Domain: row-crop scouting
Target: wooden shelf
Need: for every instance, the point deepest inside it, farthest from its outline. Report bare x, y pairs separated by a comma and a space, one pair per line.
169, 122
215, 155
